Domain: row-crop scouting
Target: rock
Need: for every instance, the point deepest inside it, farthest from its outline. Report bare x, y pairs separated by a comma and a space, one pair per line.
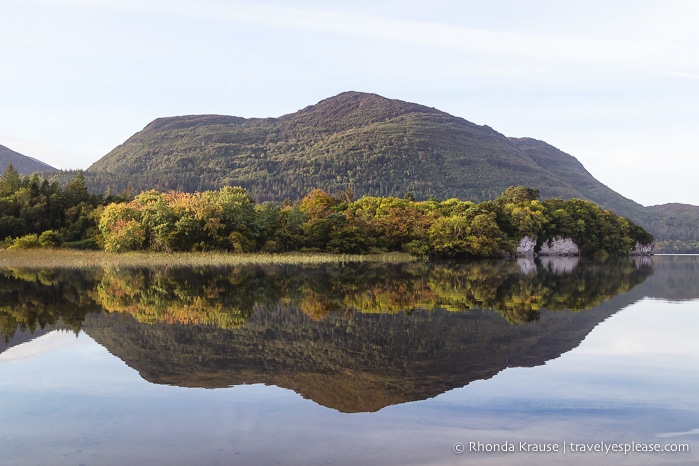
559, 247
526, 246
566, 247
642, 249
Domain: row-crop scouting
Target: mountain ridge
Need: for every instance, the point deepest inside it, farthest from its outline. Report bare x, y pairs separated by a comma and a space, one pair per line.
24, 164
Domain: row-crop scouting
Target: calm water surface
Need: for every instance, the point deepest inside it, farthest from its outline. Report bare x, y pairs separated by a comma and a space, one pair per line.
361, 364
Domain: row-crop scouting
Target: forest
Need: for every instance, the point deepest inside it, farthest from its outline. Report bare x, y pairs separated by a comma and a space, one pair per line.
37, 213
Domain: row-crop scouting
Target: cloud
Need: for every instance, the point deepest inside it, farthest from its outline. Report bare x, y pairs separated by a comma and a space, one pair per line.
679, 434
519, 46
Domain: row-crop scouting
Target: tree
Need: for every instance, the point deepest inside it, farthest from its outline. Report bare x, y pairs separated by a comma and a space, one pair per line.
317, 204
157, 218
473, 235
121, 228
237, 211
76, 189
517, 195
10, 181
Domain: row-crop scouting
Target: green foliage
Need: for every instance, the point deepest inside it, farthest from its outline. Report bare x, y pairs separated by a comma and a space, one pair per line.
49, 239
26, 242
42, 214
594, 230
517, 195
177, 221
227, 219
33, 206
10, 181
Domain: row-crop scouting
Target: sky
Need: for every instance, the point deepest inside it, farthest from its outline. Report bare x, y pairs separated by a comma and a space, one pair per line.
615, 83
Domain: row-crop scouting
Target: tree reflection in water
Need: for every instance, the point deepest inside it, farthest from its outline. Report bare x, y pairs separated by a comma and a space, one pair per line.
356, 337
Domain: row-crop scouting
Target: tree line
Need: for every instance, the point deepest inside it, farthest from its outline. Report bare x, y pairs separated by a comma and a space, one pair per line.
36, 213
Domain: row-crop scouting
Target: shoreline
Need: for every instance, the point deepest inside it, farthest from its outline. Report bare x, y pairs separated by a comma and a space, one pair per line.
66, 258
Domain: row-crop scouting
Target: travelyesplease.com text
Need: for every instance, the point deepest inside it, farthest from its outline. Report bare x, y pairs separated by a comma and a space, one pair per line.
564, 448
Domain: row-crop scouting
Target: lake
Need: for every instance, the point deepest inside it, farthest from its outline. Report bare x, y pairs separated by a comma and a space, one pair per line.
547, 361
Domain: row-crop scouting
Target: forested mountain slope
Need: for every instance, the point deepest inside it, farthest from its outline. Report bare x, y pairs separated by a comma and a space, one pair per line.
379, 146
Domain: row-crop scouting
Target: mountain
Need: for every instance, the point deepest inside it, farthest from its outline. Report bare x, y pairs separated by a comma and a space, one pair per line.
24, 165
676, 220
378, 146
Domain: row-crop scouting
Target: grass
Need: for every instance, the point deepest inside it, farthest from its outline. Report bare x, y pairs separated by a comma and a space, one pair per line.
65, 258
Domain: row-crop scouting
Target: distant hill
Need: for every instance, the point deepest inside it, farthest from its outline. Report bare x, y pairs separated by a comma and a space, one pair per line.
24, 164
676, 225
378, 146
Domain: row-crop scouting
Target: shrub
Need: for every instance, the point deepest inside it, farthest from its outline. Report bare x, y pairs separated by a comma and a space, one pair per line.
25, 242
49, 239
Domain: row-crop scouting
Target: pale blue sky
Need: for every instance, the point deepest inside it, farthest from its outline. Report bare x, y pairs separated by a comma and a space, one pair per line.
613, 83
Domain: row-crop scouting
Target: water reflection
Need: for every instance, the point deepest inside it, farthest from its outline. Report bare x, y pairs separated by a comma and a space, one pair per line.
354, 338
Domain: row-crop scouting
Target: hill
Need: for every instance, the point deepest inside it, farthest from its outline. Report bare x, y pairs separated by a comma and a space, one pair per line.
378, 146
24, 165
677, 227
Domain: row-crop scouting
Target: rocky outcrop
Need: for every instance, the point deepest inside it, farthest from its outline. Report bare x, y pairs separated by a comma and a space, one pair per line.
555, 247
526, 246
559, 247
642, 249
566, 247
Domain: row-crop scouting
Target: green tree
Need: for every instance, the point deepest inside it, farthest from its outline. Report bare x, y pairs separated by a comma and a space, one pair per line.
10, 181
517, 195
49, 239
76, 190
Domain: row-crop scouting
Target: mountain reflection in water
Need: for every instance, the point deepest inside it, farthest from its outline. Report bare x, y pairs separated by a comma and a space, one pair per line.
354, 338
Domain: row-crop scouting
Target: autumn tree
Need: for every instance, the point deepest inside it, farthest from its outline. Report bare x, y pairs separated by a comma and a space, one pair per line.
121, 228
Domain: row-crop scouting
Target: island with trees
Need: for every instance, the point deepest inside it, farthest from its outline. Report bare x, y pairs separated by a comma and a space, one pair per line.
37, 213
